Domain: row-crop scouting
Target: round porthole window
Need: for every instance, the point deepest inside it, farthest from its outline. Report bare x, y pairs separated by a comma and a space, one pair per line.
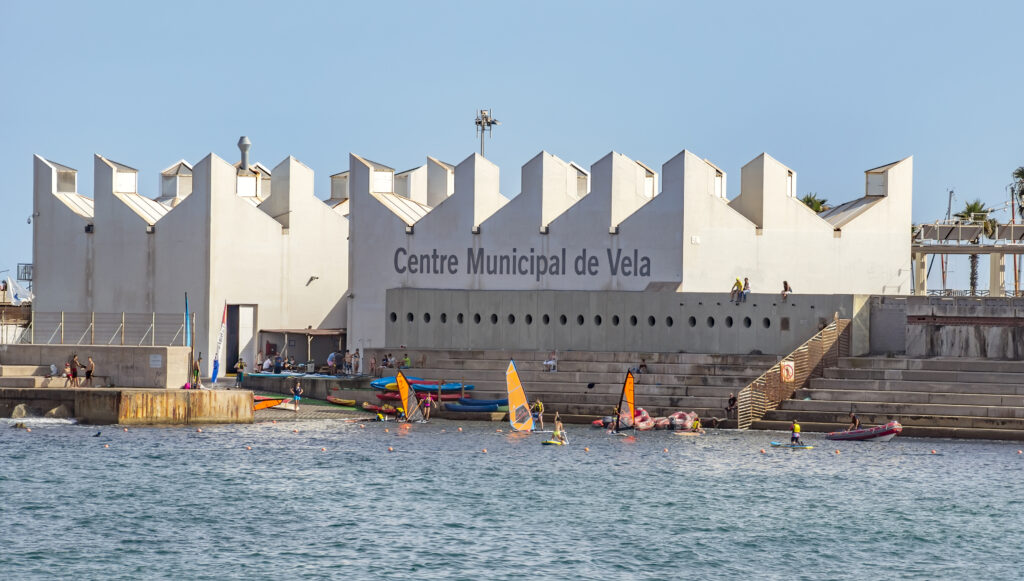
393, 317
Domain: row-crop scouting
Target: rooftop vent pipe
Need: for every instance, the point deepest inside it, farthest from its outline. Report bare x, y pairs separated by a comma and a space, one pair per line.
244, 144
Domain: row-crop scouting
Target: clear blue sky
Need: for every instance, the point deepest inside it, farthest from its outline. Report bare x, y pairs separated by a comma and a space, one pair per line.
829, 89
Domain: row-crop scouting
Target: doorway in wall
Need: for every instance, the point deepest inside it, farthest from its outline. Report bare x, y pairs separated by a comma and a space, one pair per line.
241, 340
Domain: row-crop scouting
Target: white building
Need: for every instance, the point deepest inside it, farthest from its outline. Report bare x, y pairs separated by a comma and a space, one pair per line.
612, 229
259, 240
216, 232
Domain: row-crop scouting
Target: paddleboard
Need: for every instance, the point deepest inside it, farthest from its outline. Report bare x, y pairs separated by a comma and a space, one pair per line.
552, 443
791, 446
266, 403
687, 433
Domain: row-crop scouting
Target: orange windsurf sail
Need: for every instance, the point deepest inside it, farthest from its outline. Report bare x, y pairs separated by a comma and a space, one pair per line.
627, 407
408, 395
519, 415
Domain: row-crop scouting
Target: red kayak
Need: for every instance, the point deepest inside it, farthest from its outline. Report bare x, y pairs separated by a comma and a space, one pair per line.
882, 433
395, 396
385, 409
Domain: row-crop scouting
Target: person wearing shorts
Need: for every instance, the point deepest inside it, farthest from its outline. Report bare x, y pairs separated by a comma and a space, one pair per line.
90, 369
297, 395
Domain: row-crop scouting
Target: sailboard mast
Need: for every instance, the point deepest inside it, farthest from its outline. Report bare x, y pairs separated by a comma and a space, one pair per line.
519, 416
627, 397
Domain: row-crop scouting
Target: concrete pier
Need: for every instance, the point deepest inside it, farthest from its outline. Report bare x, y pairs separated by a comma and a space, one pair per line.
138, 407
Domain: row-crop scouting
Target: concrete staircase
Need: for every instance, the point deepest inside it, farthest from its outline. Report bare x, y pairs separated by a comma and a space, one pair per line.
35, 376
949, 397
674, 382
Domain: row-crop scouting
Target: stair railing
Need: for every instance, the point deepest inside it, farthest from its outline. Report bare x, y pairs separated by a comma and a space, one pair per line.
805, 362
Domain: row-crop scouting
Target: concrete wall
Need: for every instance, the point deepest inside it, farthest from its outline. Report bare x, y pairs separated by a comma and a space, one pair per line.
614, 321
285, 258
136, 407
688, 237
888, 325
156, 367
991, 328
61, 249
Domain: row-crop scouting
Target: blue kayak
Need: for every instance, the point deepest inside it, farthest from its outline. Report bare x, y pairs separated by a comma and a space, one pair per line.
468, 401
390, 384
458, 407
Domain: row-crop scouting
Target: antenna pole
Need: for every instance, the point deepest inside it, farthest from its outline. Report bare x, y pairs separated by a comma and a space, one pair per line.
484, 122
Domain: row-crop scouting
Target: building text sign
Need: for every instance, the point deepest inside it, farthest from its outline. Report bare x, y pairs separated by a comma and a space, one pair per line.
585, 262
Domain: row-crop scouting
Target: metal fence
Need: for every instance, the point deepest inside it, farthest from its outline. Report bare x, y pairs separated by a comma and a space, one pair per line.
949, 292
809, 360
67, 328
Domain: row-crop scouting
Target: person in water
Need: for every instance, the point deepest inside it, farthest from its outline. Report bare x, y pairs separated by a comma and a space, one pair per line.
559, 432
854, 422
538, 414
794, 436
426, 408
696, 427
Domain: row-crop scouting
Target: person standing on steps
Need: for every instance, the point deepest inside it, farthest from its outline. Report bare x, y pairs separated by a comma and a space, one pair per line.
90, 369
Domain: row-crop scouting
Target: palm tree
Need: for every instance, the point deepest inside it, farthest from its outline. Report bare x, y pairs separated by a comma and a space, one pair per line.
1017, 188
812, 201
976, 213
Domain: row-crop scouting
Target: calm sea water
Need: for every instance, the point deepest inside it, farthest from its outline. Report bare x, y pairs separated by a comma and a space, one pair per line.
178, 504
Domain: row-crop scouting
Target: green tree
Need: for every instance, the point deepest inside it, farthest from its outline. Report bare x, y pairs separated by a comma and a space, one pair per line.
815, 203
976, 213
1017, 188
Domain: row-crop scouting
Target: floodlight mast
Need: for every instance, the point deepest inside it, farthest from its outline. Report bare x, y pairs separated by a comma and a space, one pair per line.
484, 122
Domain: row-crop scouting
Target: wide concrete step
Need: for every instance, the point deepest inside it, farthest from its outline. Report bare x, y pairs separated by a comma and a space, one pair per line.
908, 431
924, 376
956, 364
869, 407
36, 381
24, 370
937, 387
910, 397
785, 416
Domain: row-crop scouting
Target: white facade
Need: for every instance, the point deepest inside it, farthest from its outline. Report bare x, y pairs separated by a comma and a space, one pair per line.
281, 262
625, 235
258, 238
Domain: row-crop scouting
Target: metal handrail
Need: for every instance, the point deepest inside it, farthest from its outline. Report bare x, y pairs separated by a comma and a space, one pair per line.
809, 360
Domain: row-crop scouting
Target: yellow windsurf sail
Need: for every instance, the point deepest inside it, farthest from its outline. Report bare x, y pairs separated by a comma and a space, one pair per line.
518, 406
408, 395
627, 407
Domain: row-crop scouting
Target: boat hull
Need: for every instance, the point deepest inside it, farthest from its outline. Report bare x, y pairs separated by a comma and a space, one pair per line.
882, 433
341, 402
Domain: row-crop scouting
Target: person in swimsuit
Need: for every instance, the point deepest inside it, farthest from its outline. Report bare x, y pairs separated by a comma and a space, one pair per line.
67, 375
559, 433
297, 395
426, 408
854, 422
75, 365
90, 369
538, 414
